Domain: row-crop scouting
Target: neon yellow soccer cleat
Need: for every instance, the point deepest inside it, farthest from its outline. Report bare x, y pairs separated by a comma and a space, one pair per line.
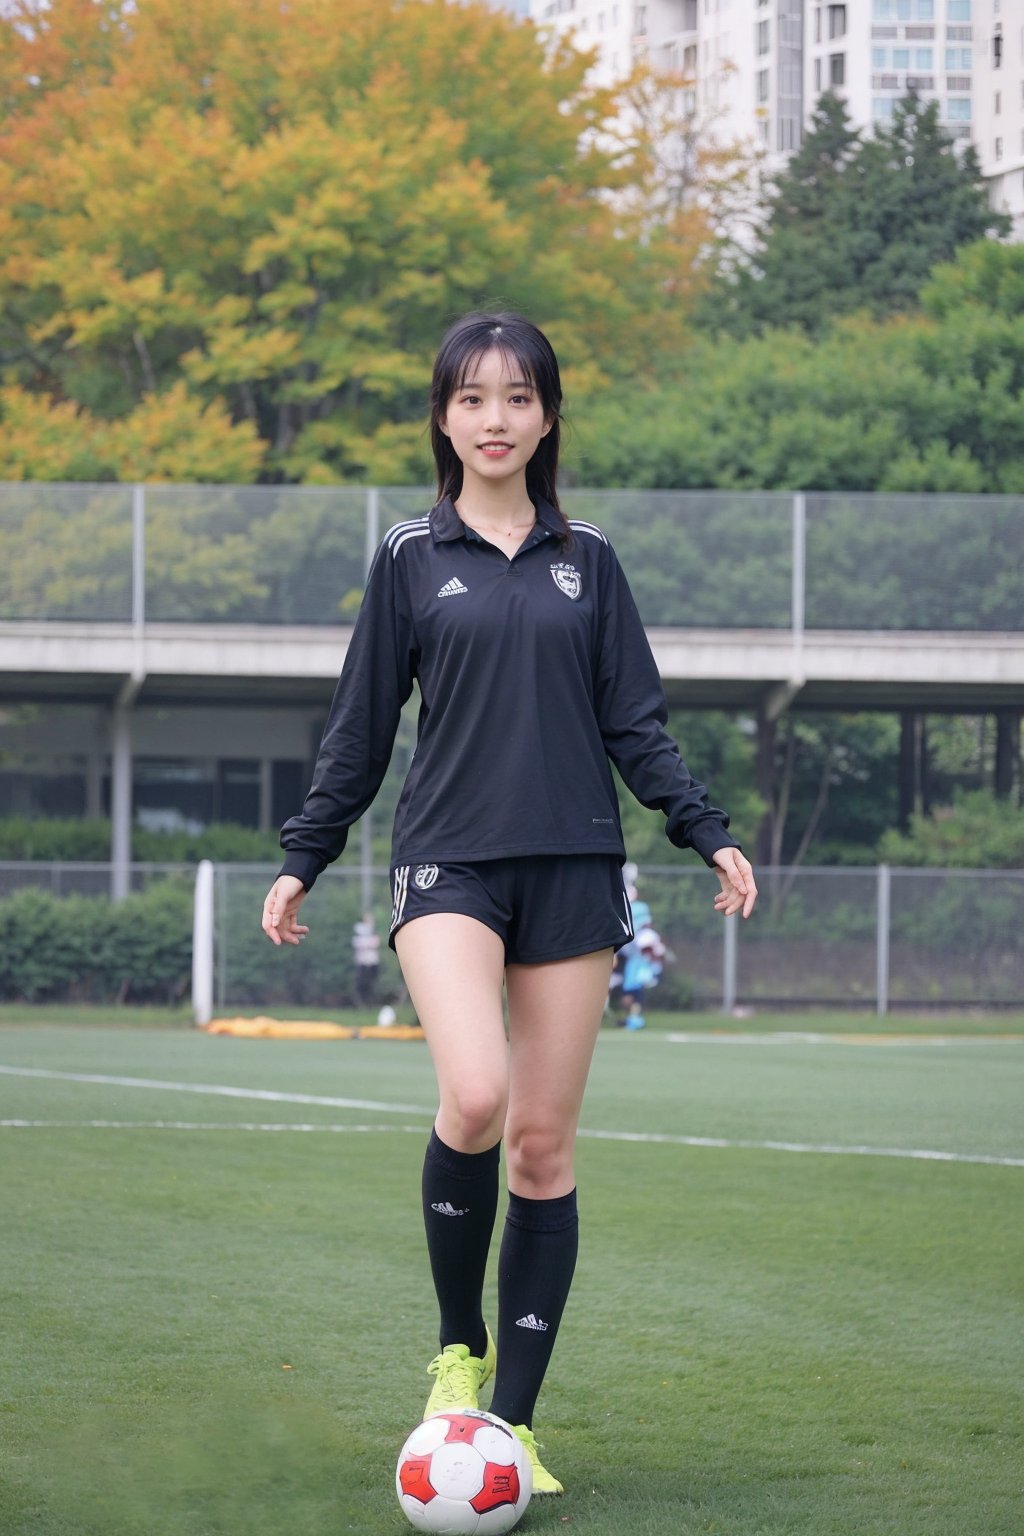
460, 1376
543, 1482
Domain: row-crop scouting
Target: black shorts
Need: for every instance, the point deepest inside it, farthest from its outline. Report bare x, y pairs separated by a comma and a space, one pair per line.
542, 908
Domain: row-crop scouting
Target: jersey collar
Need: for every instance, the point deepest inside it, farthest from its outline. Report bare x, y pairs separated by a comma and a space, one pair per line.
446, 524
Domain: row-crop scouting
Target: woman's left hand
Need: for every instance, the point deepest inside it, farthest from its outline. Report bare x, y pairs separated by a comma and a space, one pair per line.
736, 877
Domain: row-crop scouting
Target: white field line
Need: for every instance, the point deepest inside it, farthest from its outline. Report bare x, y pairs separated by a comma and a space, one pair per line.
802, 1037
220, 1091
828, 1149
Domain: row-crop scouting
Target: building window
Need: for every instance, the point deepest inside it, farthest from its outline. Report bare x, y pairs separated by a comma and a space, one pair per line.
817, 77
958, 10
882, 108
997, 105
997, 50
640, 21
958, 60
763, 85
837, 69
958, 109
907, 10
837, 21
999, 149
923, 58
764, 36
817, 23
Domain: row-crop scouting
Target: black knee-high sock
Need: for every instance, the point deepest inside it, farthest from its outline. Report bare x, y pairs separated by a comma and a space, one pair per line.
535, 1270
460, 1198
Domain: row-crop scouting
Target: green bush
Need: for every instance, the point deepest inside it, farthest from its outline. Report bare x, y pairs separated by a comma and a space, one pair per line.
80, 841
80, 949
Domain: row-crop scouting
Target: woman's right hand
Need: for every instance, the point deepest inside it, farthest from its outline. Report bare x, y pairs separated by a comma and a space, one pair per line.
281, 908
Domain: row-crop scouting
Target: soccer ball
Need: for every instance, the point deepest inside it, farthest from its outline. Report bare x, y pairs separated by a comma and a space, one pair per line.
463, 1474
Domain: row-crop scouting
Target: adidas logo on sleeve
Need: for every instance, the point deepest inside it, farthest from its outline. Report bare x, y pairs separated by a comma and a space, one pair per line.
453, 588
445, 1208
531, 1320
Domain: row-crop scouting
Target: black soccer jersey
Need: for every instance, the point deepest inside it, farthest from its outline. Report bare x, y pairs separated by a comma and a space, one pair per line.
533, 671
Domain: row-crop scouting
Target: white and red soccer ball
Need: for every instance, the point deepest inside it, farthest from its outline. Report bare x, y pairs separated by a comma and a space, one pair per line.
463, 1474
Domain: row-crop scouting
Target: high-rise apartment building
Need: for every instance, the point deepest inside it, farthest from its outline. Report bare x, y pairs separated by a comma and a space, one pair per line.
757, 67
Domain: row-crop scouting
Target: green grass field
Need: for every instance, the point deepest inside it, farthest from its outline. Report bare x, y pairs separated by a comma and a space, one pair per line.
216, 1311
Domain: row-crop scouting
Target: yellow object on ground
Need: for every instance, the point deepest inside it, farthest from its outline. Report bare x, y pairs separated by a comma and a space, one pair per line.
263, 1028
390, 1032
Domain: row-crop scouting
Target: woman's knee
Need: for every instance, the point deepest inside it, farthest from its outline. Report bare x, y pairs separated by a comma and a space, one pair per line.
539, 1160
472, 1115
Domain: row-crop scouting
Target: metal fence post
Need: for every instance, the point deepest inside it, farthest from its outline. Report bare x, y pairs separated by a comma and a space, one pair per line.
219, 930
121, 771
202, 945
730, 948
366, 820
882, 942
798, 611
138, 557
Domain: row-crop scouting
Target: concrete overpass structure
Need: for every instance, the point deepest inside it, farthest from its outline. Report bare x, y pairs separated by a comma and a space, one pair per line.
761, 670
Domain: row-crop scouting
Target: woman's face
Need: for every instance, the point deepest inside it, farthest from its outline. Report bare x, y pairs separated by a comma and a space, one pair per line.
496, 419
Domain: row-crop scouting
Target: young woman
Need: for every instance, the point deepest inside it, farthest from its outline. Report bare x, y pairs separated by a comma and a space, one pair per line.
534, 671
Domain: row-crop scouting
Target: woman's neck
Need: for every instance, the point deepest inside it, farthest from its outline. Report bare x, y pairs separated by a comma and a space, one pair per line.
495, 506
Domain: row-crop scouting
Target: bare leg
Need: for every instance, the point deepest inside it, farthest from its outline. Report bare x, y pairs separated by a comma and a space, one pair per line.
554, 1015
453, 967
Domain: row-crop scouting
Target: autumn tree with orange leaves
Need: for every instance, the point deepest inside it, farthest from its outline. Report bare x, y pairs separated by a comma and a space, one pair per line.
231, 233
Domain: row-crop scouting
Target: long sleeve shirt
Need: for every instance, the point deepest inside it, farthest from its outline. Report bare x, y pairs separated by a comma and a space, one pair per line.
534, 674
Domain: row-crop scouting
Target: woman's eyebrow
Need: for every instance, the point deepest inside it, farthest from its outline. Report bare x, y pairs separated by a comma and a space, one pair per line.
515, 384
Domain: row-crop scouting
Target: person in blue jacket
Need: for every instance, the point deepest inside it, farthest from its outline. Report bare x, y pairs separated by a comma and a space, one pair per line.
534, 675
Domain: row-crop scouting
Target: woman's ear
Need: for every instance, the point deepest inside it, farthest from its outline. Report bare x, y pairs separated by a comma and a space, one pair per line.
442, 422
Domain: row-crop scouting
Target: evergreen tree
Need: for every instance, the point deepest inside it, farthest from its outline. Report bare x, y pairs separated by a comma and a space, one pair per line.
857, 223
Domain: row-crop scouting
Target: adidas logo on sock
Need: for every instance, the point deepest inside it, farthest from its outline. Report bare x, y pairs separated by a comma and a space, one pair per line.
531, 1320
445, 1208
452, 588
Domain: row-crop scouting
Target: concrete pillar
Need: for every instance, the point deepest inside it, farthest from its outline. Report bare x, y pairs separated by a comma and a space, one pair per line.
266, 793
94, 765
914, 768
907, 798
1007, 764
121, 802
767, 726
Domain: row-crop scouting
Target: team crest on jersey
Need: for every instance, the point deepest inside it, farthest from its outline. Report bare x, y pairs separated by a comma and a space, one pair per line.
567, 579
425, 876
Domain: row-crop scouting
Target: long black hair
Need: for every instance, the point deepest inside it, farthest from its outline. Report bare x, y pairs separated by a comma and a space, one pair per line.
520, 342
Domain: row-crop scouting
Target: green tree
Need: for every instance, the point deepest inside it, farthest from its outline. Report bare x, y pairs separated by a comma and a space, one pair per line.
975, 831
931, 403
231, 233
856, 223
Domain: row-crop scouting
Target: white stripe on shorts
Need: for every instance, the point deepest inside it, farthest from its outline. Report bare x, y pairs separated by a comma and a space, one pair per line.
401, 890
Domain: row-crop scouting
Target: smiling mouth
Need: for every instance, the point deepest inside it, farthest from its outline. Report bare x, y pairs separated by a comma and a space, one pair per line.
495, 450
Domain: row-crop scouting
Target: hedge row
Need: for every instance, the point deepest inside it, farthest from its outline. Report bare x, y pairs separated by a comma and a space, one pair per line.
78, 949
77, 840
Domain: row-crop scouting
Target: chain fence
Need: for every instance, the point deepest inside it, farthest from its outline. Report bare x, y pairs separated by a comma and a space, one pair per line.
825, 937
878, 938
298, 555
